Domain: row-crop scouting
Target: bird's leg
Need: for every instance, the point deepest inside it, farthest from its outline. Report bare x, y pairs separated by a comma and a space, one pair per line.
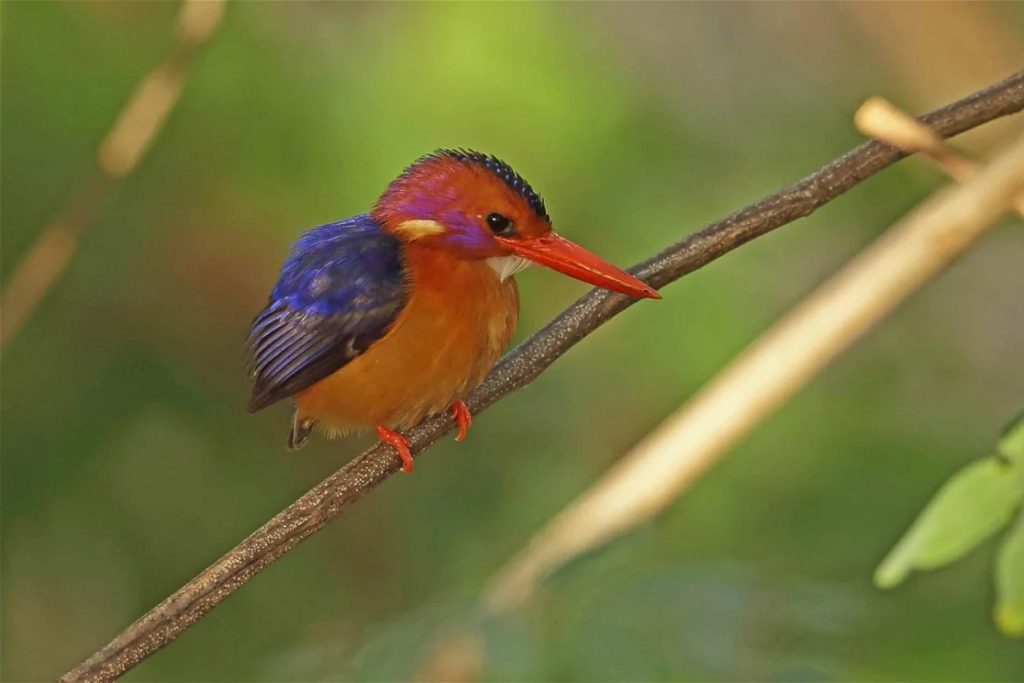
398, 442
462, 417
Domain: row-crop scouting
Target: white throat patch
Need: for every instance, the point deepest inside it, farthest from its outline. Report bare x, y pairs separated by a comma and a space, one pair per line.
507, 266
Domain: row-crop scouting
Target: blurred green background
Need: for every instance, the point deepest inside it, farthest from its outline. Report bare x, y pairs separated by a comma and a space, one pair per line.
129, 462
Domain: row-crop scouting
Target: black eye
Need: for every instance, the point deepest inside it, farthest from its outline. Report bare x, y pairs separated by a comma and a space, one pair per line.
499, 224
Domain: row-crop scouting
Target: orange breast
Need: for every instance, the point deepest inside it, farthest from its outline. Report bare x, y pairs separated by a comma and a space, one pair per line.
457, 321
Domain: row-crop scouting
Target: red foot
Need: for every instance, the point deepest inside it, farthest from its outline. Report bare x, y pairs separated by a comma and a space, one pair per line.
398, 442
463, 418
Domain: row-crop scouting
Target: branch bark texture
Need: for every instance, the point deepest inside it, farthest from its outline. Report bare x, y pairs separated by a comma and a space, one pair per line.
331, 497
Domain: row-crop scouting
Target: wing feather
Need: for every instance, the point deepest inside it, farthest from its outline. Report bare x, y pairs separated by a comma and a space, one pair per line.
339, 291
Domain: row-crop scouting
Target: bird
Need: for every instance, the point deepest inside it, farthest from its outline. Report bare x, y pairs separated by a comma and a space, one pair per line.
383, 318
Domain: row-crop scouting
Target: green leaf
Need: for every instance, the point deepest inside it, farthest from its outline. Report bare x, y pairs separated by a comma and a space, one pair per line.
1009, 608
971, 506
1011, 445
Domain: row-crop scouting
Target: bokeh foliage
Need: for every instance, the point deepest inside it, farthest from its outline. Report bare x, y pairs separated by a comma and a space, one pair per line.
129, 463
977, 502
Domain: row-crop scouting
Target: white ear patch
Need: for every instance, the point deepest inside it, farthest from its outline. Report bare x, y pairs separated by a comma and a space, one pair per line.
507, 266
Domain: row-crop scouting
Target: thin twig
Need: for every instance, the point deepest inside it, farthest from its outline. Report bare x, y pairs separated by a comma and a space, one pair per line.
332, 496
654, 473
124, 145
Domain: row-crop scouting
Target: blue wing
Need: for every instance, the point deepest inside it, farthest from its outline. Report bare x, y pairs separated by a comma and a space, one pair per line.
340, 289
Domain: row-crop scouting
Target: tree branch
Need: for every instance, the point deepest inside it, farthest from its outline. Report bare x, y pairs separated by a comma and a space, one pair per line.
765, 375
329, 499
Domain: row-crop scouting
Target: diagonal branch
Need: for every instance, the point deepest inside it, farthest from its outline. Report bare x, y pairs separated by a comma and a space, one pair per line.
765, 375
329, 499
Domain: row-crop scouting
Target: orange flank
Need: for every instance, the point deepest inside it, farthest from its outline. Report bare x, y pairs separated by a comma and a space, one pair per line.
458, 319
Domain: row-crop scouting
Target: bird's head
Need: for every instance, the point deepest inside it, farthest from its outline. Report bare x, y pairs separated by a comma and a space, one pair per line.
477, 207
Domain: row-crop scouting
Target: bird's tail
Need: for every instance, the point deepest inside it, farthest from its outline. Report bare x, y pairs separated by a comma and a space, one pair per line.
301, 429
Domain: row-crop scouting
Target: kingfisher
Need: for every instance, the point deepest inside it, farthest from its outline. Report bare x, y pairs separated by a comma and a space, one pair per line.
383, 318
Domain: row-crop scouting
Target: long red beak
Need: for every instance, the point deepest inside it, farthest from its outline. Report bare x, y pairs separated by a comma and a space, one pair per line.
558, 253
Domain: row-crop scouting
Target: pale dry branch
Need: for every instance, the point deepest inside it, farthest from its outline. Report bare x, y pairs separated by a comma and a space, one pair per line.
331, 497
883, 121
119, 153
880, 119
